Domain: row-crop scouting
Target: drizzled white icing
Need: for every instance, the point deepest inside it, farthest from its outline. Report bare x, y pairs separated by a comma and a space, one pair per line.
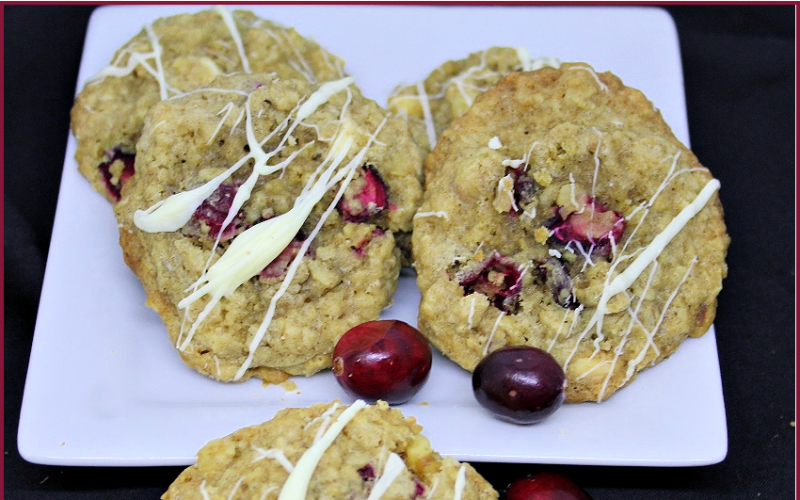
442, 214
347, 172
589, 70
461, 482
394, 466
174, 212
625, 279
494, 143
274, 454
622, 281
296, 484
226, 16
426, 114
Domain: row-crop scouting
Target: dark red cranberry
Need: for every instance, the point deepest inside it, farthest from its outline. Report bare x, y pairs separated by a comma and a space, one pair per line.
367, 472
213, 211
592, 227
386, 359
498, 278
370, 200
555, 276
545, 486
419, 488
113, 187
522, 385
278, 267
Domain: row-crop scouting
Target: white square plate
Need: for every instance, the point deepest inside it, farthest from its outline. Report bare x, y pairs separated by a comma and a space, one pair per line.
105, 386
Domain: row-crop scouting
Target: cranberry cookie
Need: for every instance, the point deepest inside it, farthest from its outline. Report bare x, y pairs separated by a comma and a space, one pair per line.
261, 220
329, 452
561, 212
170, 57
450, 89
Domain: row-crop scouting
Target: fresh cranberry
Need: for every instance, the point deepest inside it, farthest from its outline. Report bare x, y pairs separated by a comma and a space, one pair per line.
213, 211
113, 187
593, 227
555, 276
545, 486
519, 384
497, 277
386, 359
370, 200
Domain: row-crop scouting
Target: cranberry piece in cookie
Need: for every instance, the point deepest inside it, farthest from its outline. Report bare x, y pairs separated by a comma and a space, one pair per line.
593, 226
497, 277
278, 267
213, 211
366, 196
116, 171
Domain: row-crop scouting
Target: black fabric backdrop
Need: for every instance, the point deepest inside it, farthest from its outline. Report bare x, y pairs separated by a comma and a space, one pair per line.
739, 64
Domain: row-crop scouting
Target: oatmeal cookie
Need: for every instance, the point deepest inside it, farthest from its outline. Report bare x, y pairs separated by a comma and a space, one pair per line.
450, 89
261, 220
328, 452
561, 212
170, 57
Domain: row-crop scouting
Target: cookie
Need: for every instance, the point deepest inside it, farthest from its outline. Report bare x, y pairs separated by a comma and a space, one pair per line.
261, 220
170, 57
328, 452
561, 212
450, 89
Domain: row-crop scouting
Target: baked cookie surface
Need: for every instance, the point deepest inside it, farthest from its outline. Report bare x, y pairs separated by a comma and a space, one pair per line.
261, 220
561, 212
328, 451
170, 57
450, 89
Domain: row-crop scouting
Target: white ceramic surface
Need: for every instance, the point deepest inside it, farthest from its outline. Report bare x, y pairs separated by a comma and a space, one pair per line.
105, 386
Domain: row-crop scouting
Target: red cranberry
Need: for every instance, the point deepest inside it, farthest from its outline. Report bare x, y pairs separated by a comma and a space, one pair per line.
113, 187
385, 359
213, 211
370, 200
498, 278
594, 226
545, 486
522, 385
278, 267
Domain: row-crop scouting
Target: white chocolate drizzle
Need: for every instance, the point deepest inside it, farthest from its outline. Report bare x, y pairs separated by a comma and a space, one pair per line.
394, 466
316, 192
461, 482
648, 255
226, 16
494, 143
441, 214
589, 70
426, 114
491, 335
274, 454
296, 484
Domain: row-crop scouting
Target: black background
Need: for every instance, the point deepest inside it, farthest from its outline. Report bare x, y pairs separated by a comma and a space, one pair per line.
739, 67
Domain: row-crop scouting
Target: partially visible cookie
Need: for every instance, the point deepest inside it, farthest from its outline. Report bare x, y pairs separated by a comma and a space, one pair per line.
450, 89
328, 451
561, 212
261, 220
170, 57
